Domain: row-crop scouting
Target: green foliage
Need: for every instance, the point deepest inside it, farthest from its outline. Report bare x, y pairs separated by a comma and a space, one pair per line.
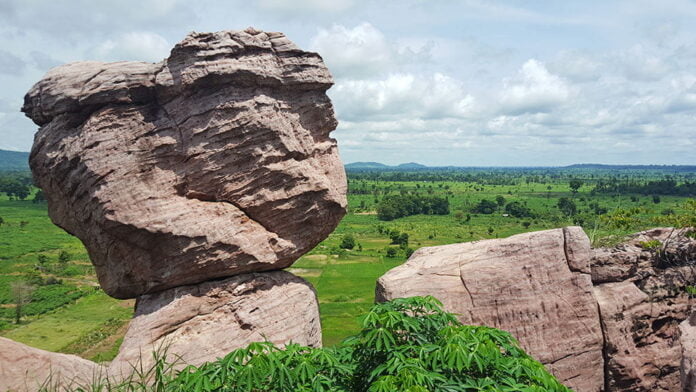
691, 290
485, 207
518, 210
398, 206
391, 252
652, 245
567, 206
407, 344
348, 242
574, 185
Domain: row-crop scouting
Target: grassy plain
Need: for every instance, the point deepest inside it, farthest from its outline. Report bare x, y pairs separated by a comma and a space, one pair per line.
93, 324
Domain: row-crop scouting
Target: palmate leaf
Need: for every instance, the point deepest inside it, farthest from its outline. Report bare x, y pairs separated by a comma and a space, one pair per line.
408, 344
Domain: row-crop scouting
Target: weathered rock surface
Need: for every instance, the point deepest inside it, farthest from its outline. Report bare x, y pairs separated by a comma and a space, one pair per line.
688, 363
203, 322
213, 163
642, 299
24, 368
535, 285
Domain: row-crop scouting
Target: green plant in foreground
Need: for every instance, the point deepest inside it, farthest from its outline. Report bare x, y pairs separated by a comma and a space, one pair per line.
405, 345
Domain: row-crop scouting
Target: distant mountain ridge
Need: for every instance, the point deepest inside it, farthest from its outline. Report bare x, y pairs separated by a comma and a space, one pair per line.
14, 160
361, 166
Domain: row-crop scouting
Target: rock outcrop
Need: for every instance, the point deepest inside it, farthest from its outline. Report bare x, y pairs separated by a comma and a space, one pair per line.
688, 363
535, 285
191, 182
213, 163
599, 319
640, 288
203, 322
24, 368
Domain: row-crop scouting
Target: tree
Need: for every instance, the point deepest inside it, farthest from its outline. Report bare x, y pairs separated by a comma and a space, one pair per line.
2, 221
575, 184
39, 197
500, 200
516, 209
391, 252
21, 295
485, 207
526, 224
490, 230
348, 242
656, 199
567, 206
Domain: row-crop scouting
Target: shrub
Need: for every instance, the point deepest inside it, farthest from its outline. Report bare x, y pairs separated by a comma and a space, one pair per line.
407, 344
348, 242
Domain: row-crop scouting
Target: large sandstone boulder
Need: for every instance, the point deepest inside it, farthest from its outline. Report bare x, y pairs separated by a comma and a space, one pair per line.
200, 323
213, 163
642, 299
535, 285
24, 368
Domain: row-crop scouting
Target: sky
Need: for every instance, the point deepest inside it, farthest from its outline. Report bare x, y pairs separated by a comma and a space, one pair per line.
439, 82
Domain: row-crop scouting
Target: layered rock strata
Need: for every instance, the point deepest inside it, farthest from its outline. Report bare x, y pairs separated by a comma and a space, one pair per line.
599, 319
535, 285
203, 322
213, 163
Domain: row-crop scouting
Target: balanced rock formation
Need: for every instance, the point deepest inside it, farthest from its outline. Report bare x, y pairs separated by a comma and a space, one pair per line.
191, 182
640, 289
535, 285
213, 163
203, 322
24, 368
599, 319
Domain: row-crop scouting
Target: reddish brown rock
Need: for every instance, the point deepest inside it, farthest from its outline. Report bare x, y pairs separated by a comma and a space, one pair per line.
203, 322
24, 368
213, 163
535, 285
642, 300
688, 363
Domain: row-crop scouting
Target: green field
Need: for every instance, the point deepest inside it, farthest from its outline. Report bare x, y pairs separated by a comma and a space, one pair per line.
69, 313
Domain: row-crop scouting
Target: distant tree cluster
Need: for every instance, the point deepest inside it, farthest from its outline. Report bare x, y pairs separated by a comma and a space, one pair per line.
658, 187
397, 206
15, 187
518, 210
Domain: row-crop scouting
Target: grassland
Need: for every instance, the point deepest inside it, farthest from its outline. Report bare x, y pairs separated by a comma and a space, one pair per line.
92, 324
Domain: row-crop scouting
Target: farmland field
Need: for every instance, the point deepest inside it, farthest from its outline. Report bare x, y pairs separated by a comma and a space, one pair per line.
69, 313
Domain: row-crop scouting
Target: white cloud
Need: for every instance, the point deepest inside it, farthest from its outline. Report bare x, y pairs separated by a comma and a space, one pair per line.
11, 64
534, 89
403, 95
140, 46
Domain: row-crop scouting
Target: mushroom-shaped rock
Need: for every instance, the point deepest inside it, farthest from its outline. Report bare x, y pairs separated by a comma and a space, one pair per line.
213, 163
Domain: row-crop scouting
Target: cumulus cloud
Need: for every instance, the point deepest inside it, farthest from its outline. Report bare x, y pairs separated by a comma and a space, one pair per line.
403, 95
363, 51
140, 46
534, 89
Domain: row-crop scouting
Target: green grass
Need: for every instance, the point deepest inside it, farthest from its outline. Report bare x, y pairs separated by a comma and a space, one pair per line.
344, 280
58, 330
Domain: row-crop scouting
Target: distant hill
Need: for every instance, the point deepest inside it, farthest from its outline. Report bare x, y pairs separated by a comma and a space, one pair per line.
366, 165
411, 165
14, 160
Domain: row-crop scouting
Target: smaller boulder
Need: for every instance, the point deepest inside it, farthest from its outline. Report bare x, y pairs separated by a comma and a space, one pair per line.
203, 322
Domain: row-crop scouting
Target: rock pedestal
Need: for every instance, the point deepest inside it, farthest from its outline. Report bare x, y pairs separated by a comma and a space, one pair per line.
203, 322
